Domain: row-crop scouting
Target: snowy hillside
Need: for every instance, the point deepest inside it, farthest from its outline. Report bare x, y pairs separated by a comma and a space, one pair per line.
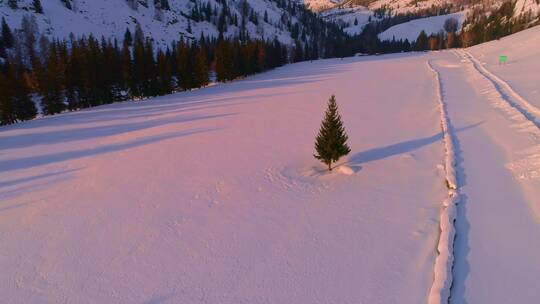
430, 25
406, 6
112, 17
352, 18
320, 5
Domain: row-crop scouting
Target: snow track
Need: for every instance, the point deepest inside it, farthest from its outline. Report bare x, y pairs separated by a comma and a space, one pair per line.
506, 92
442, 281
496, 241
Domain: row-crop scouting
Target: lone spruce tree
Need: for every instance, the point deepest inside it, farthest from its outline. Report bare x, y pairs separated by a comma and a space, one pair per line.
331, 142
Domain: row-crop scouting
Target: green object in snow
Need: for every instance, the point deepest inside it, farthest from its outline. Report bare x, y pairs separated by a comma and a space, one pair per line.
503, 59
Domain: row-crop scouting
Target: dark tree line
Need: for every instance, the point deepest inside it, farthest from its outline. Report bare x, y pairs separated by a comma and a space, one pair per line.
85, 72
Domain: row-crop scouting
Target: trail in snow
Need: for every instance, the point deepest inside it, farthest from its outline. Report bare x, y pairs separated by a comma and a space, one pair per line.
507, 93
442, 281
497, 235
525, 115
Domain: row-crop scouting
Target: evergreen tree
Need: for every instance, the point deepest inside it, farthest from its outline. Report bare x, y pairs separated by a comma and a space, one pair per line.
7, 35
421, 42
23, 106
200, 68
138, 74
331, 142
36, 4
67, 4
13, 4
184, 66
224, 61
139, 34
127, 68
7, 113
164, 74
128, 38
3, 52
53, 98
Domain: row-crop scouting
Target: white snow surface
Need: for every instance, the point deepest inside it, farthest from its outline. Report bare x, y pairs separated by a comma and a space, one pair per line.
410, 30
213, 196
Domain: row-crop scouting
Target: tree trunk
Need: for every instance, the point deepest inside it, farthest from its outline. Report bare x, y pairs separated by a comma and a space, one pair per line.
329, 166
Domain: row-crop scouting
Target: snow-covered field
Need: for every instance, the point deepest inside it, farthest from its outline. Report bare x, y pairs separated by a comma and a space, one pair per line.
213, 196
430, 25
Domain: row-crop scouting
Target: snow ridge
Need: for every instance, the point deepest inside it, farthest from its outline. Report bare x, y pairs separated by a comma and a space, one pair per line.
442, 281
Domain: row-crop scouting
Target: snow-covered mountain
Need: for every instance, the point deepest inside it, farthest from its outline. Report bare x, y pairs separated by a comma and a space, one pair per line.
430, 25
163, 22
321, 5
353, 15
408, 6
529, 9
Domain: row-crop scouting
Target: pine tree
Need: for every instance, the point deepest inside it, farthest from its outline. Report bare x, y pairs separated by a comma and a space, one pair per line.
36, 4
128, 38
7, 35
3, 52
53, 98
224, 62
184, 66
164, 74
7, 113
13, 4
331, 142
24, 108
200, 68
421, 42
127, 68
67, 4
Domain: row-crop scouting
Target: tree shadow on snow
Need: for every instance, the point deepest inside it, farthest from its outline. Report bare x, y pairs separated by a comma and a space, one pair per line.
399, 148
14, 188
34, 161
69, 134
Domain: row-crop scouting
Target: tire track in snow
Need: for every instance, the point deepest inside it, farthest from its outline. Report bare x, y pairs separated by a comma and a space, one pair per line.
504, 90
442, 276
526, 117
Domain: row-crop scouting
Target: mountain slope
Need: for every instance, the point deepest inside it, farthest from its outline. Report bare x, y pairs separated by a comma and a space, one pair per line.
430, 25
110, 18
